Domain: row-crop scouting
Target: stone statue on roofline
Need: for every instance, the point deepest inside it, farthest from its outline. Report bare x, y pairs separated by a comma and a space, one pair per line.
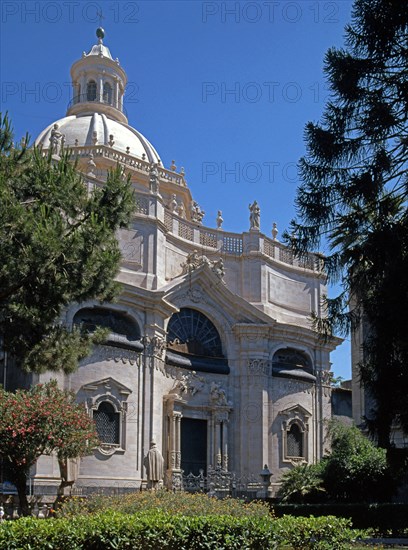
254, 217
219, 220
57, 140
154, 464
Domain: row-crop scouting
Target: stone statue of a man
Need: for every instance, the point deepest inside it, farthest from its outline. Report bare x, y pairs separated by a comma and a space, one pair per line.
154, 464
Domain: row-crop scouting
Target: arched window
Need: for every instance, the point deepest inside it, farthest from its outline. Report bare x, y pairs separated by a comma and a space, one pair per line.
294, 442
190, 331
91, 91
291, 358
107, 422
293, 363
124, 332
107, 93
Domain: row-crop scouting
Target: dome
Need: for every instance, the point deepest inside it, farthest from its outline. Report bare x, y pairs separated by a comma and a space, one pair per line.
85, 129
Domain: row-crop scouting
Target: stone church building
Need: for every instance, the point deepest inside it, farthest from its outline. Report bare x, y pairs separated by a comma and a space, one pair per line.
211, 352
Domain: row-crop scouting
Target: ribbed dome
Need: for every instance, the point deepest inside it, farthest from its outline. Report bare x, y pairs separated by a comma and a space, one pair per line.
80, 131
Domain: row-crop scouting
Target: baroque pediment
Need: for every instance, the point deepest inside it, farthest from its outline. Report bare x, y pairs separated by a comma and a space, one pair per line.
296, 411
108, 385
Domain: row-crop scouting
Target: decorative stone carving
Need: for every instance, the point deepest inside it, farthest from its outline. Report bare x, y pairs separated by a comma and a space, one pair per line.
197, 214
110, 353
258, 366
255, 216
94, 137
218, 395
324, 381
176, 481
194, 260
218, 268
189, 383
324, 377
222, 416
111, 140
155, 346
194, 294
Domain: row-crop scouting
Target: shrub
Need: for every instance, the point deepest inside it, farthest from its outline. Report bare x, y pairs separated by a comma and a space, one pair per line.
324, 533
187, 504
381, 518
153, 530
158, 530
356, 469
302, 484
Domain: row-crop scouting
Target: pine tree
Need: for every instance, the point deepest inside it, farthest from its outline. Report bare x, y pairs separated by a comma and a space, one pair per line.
57, 246
353, 200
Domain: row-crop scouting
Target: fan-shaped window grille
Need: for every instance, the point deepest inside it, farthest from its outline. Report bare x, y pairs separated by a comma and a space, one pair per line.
117, 322
291, 358
190, 331
295, 441
107, 423
91, 90
107, 93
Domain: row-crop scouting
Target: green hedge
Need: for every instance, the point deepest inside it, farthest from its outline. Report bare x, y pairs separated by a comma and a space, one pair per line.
389, 517
163, 531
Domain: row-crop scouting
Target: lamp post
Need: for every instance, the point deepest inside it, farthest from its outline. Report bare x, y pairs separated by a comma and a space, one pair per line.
265, 476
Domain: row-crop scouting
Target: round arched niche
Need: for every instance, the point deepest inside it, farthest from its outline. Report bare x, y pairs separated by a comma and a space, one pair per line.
193, 342
124, 331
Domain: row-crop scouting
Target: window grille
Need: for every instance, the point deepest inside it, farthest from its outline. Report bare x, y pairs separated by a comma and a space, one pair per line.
295, 441
107, 423
191, 331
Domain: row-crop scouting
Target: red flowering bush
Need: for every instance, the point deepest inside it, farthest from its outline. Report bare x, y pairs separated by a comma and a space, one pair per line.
42, 420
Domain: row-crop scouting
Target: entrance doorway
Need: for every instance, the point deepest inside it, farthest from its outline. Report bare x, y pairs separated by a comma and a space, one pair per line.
193, 445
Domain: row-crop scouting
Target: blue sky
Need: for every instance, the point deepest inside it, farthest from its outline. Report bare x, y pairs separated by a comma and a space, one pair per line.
223, 88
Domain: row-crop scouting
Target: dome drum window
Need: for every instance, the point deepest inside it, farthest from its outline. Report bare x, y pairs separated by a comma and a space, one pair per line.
107, 93
91, 91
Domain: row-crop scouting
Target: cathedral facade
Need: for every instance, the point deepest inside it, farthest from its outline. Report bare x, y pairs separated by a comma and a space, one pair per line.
211, 353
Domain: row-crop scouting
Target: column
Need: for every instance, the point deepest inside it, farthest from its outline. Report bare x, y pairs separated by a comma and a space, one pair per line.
218, 456
177, 440
82, 83
174, 476
99, 91
116, 93
172, 442
225, 445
